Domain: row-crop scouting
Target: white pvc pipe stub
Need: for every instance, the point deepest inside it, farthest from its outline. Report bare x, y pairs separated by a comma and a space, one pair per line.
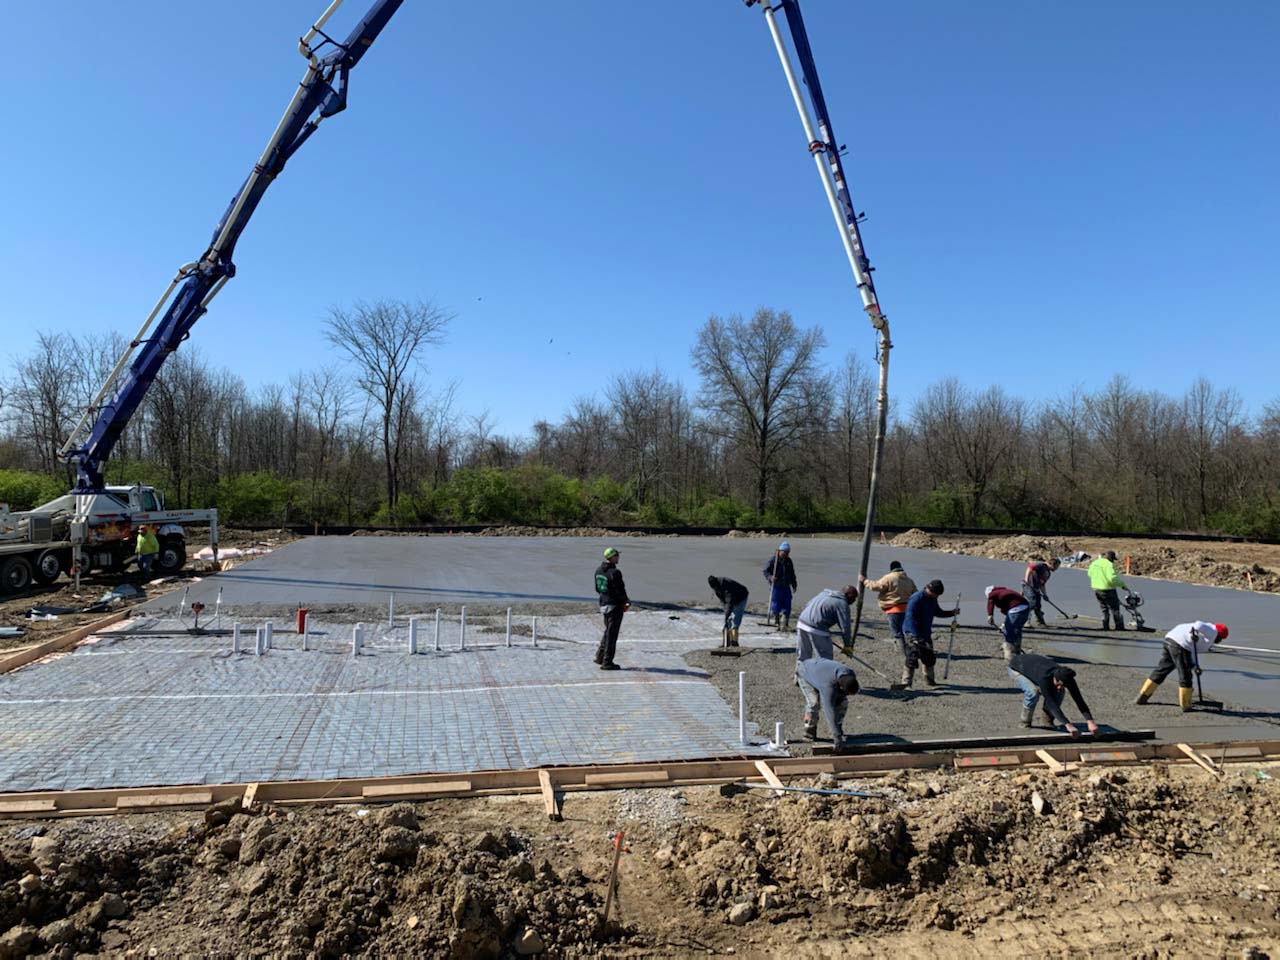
742, 706
437, 640
779, 736
413, 635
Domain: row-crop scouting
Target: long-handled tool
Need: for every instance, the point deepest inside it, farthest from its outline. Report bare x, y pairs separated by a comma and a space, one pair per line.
1065, 615
848, 652
946, 671
729, 789
1215, 705
613, 883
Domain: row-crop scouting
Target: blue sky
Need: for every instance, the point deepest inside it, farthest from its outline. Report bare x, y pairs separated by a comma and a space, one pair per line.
1056, 192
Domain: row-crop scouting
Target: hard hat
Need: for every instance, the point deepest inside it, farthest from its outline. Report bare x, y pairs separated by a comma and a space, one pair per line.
1222, 631
609, 553
784, 545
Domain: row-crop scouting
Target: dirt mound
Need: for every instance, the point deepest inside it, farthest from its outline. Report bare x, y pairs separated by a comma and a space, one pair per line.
1170, 564
916, 539
1021, 547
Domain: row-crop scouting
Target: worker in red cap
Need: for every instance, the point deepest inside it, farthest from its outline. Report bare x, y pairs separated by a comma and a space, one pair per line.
1182, 648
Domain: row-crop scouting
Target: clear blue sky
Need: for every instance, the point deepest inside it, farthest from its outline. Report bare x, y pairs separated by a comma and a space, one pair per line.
1056, 191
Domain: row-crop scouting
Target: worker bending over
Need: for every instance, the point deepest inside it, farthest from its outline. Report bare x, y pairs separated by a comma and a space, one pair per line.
780, 574
894, 589
1035, 584
827, 686
1182, 648
823, 617
1037, 677
1103, 580
614, 602
917, 627
1015, 608
734, 597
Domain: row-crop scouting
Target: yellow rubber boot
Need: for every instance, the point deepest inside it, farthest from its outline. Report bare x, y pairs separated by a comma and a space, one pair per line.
1184, 698
1148, 688
733, 638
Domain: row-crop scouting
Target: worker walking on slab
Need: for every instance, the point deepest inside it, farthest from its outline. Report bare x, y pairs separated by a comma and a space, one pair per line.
823, 617
734, 597
1182, 648
917, 628
1035, 584
827, 687
614, 602
1104, 581
780, 573
1016, 610
893, 591
147, 548
1039, 676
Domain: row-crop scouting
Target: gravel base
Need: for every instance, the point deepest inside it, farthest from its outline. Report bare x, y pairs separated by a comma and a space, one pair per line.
979, 699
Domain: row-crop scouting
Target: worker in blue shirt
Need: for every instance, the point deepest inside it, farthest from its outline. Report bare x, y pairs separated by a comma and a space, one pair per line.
917, 629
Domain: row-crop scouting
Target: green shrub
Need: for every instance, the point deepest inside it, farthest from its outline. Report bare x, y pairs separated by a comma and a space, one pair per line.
23, 489
259, 497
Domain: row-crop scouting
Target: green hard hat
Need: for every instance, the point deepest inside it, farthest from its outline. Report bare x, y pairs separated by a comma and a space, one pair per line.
610, 552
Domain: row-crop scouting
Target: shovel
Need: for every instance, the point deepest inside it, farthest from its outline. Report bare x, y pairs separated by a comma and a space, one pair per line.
1214, 705
1065, 615
946, 671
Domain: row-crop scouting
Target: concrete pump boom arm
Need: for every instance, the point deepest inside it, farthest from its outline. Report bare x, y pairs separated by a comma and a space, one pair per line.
321, 93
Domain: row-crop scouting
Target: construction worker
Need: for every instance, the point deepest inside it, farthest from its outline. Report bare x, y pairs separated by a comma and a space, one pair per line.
1182, 648
147, 548
614, 602
1038, 676
894, 589
823, 617
734, 597
1035, 582
827, 686
1016, 610
917, 628
1103, 580
780, 574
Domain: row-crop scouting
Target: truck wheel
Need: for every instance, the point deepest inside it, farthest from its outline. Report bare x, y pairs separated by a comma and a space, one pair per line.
15, 575
48, 567
172, 556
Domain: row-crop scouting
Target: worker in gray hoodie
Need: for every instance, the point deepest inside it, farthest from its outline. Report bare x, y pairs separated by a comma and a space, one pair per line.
822, 618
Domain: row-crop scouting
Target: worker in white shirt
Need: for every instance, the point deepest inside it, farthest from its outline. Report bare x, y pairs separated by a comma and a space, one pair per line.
1182, 648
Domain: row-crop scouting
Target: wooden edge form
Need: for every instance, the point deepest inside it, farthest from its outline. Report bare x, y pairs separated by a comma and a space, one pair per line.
407, 791
770, 777
160, 799
41, 650
250, 797
1056, 767
1200, 760
549, 799
623, 778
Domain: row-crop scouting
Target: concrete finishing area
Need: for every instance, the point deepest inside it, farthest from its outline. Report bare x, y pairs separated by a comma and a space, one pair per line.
534, 572
150, 704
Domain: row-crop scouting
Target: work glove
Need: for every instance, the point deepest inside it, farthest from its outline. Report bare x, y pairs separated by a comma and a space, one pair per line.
991, 620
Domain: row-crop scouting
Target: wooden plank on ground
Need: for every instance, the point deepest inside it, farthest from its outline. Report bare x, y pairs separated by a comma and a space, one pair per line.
67, 640
1056, 767
16, 807
770, 777
403, 791
988, 760
184, 798
1108, 756
549, 799
1200, 760
622, 779
809, 769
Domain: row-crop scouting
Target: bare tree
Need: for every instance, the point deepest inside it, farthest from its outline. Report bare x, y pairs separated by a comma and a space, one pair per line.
756, 380
384, 340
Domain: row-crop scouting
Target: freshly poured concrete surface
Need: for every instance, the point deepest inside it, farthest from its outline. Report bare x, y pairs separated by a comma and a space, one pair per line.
150, 704
528, 571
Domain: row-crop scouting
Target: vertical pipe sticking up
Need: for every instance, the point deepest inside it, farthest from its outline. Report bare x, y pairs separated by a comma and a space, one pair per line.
413, 635
779, 736
306, 630
182, 604
217, 609
267, 634
437, 630
508, 626
258, 648
235, 638
357, 639
535, 631
462, 631
391, 611
742, 706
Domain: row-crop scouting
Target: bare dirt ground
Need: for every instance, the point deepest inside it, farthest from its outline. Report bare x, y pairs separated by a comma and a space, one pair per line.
1124, 862
14, 609
1245, 566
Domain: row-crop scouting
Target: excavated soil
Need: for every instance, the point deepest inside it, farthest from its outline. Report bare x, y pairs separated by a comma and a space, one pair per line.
1244, 566
1135, 862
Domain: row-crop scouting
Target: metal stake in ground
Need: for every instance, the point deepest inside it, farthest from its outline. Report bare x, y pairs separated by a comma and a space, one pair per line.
462, 630
613, 883
742, 706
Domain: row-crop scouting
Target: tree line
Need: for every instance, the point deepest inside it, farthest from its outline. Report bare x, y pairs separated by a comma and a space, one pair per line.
768, 435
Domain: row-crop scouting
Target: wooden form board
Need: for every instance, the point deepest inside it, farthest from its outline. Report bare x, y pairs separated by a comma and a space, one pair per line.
574, 779
40, 650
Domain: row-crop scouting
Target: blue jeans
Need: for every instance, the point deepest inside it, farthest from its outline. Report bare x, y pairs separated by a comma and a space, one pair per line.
1030, 692
733, 616
780, 599
895, 624
1014, 621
